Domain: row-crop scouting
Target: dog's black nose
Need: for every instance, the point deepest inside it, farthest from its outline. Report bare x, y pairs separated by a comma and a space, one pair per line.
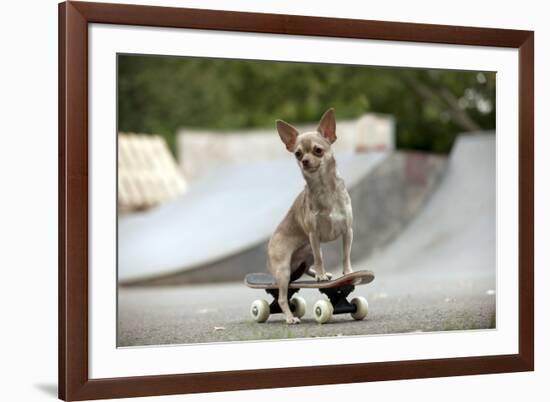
305, 163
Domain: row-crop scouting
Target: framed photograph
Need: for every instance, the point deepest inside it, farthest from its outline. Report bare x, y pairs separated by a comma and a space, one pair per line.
260, 200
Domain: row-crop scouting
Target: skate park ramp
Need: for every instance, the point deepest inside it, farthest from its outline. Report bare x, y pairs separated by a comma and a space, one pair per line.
226, 212
218, 230
453, 238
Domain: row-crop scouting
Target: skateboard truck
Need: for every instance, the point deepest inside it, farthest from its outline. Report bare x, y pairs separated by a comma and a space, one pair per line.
261, 310
339, 299
274, 307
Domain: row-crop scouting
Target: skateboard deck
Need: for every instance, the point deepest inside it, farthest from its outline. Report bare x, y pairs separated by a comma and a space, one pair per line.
266, 281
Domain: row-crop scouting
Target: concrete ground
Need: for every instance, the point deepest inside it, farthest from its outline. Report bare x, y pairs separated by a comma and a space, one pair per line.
220, 313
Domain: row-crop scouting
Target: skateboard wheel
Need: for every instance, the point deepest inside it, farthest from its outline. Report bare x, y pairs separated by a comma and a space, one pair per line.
362, 307
299, 304
260, 310
322, 310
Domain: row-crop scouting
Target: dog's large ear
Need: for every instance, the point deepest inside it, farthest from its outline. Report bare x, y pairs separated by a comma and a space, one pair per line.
288, 134
327, 126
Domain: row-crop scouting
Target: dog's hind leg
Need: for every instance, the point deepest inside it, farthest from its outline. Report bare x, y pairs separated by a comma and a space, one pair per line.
280, 267
283, 302
284, 253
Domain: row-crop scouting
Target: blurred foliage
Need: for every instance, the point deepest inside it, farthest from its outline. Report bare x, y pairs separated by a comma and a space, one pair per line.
158, 94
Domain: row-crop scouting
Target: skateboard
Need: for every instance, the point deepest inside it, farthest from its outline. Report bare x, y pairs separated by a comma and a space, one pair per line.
337, 290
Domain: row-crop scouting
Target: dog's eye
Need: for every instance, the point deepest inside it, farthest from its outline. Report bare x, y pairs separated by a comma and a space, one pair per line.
298, 154
317, 151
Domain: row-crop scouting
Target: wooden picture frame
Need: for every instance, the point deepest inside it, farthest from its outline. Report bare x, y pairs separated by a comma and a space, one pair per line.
74, 381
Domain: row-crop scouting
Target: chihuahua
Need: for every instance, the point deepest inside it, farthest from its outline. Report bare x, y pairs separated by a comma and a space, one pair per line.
321, 212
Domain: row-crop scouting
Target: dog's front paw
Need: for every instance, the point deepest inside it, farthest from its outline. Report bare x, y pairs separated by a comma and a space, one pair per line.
323, 277
347, 271
293, 320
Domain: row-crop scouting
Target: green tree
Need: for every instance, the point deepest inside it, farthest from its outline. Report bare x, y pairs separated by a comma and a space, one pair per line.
158, 94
